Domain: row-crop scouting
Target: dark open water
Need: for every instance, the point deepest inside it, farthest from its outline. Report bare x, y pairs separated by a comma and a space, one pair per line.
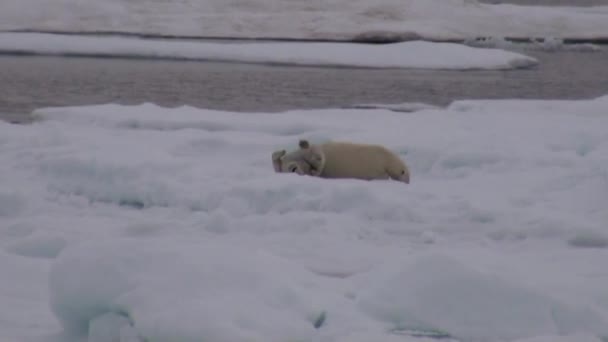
27, 83
551, 2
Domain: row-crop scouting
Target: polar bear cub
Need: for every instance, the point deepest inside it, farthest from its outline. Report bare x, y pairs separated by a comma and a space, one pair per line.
342, 160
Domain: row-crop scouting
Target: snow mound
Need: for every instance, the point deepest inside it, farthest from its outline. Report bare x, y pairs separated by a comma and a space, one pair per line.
17, 230
442, 295
153, 290
24, 295
417, 54
124, 186
38, 246
181, 292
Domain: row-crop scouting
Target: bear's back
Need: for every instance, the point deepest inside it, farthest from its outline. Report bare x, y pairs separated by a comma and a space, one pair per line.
349, 160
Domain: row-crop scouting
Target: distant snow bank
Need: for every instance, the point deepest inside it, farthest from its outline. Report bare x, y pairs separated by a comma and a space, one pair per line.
338, 19
416, 54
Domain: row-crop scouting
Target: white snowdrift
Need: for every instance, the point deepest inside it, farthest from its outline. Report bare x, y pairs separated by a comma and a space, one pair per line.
170, 223
208, 291
23, 294
338, 19
438, 294
417, 54
186, 292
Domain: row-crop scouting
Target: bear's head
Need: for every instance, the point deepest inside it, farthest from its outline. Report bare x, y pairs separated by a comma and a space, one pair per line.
307, 160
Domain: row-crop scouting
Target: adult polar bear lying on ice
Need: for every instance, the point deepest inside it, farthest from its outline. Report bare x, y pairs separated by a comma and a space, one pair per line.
342, 160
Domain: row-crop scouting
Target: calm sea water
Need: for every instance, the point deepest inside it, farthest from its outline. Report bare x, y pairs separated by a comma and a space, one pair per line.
551, 2
27, 83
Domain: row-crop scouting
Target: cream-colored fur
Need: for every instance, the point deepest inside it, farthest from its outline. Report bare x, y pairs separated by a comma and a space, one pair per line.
342, 160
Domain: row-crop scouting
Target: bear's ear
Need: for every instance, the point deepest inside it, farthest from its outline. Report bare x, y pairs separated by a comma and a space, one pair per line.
304, 144
276, 159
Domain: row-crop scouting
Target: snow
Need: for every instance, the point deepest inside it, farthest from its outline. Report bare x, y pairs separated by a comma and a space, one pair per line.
338, 19
38, 246
240, 296
10, 204
418, 54
24, 296
141, 222
438, 294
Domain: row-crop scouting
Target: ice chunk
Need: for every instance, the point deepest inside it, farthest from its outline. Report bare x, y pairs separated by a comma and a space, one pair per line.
38, 246
174, 292
417, 54
442, 295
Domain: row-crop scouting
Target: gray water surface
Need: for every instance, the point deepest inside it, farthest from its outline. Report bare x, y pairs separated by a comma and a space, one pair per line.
585, 3
27, 83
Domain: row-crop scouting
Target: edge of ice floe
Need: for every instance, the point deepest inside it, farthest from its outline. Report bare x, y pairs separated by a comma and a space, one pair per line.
73, 45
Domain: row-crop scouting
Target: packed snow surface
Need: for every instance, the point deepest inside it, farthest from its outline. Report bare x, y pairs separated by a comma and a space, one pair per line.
416, 54
337, 19
144, 223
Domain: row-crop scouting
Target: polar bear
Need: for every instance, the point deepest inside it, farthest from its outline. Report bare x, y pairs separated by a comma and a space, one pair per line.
342, 160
